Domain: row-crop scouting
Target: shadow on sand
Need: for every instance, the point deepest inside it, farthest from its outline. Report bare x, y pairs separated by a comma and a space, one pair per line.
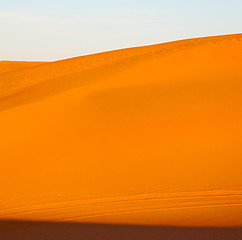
16, 230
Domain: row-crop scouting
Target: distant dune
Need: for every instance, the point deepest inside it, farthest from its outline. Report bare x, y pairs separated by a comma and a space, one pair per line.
148, 135
8, 66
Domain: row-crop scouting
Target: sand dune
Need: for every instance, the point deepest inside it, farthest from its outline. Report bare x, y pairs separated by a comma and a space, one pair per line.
8, 66
147, 135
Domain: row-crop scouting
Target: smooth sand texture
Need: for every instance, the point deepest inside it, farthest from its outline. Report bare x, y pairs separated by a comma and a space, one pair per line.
148, 135
8, 66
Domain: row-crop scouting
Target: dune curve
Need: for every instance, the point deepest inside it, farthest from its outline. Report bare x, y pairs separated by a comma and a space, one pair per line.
147, 135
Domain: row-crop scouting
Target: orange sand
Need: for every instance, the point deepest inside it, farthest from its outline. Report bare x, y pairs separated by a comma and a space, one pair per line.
7, 66
147, 135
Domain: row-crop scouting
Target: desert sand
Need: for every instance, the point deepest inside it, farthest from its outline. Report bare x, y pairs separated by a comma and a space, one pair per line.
8, 66
147, 136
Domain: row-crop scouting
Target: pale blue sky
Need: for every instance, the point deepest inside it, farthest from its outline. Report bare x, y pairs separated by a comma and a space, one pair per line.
58, 29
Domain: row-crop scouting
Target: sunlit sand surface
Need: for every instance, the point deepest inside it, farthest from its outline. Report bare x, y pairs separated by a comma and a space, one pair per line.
149, 135
8, 66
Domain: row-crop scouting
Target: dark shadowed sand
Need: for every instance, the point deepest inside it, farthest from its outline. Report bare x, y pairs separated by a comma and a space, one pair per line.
73, 231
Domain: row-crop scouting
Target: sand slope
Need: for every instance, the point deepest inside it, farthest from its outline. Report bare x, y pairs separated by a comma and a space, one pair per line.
8, 66
148, 135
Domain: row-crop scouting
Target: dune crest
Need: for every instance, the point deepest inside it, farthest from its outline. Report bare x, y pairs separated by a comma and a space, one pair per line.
147, 135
